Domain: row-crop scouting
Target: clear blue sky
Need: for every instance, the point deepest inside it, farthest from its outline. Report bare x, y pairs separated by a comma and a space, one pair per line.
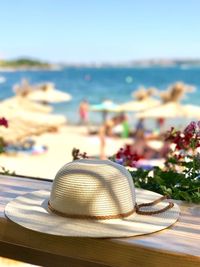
99, 30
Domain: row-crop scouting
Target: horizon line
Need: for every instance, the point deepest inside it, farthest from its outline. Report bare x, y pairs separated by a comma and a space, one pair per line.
153, 60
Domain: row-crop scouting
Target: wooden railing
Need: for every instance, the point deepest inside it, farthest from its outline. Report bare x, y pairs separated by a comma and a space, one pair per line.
178, 245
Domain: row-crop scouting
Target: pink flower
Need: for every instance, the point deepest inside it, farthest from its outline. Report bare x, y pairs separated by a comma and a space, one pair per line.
191, 128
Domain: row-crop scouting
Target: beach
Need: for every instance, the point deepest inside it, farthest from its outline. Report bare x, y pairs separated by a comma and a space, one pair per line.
55, 126
59, 148
59, 151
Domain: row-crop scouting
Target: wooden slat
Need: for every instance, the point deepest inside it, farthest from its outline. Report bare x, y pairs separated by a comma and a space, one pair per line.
34, 257
176, 246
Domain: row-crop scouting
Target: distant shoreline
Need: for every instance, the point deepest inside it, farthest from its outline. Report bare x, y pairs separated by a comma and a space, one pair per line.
27, 68
103, 66
24, 64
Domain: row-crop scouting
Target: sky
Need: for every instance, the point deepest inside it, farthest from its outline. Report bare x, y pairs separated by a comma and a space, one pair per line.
96, 31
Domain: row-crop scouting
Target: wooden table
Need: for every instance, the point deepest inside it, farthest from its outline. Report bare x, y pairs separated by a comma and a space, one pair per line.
177, 246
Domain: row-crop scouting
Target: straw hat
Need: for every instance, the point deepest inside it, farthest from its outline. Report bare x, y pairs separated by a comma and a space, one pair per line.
93, 198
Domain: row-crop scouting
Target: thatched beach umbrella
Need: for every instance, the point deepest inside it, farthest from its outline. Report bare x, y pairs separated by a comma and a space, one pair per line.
138, 105
24, 121
19, 102
142, 100
168, 110
48, 94
45, 93
171, 106
192, 111
171, 110
176, 92
143, 93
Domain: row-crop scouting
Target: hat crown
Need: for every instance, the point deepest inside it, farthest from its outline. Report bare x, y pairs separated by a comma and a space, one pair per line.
93, 188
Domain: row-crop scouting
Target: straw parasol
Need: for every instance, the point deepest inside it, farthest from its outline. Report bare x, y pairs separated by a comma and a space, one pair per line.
45, 93
171, 110
142, 100
171, 106
24, 122
192, 111
176, 92
48, 94
168, 110
138, 105
144, 93
19, 102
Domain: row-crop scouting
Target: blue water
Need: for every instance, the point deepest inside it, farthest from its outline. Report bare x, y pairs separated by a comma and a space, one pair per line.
97, 84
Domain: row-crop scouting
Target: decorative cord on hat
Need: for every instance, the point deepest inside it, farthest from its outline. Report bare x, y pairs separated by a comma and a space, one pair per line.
153, 203
91, 217
118, 216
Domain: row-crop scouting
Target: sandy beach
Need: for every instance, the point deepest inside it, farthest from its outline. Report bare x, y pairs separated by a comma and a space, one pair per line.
60, 145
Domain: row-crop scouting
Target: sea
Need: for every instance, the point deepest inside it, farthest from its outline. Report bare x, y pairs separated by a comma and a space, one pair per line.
100, 83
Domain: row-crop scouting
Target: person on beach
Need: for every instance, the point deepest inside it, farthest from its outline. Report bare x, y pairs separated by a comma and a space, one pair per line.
84, 111
160, 124
145, 151
107, 130
141, 146
139, 126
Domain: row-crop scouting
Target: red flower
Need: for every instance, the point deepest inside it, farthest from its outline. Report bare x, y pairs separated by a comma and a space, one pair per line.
191, 128
127, 157
3, 122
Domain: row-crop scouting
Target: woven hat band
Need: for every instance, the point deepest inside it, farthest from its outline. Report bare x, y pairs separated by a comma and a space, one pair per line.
153, 203
91, 217
117, 216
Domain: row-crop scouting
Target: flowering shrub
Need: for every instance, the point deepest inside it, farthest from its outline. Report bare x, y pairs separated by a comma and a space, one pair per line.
4, 123
180, 177
3, 170
188, 140
185, 156
77, 155
126, 156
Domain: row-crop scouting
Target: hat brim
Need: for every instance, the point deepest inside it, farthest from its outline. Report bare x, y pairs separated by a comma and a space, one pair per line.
31, 211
